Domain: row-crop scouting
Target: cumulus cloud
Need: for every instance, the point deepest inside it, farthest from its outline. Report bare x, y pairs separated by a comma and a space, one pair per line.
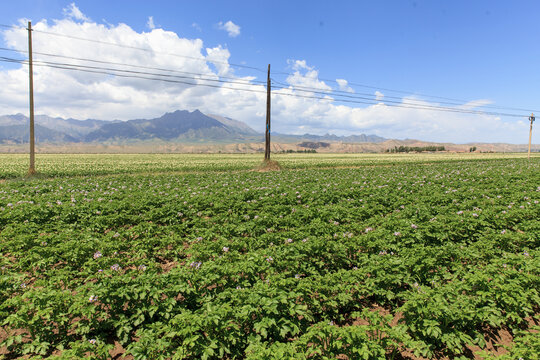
305, 76
231, 28
65, 93
471, 105
344, 85
379, 95
60, 92
150, 23
73, 12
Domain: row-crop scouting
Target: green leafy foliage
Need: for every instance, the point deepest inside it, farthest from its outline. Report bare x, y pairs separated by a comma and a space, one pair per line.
370, 262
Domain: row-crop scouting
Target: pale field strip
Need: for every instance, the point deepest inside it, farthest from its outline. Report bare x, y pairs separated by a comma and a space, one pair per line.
16, 165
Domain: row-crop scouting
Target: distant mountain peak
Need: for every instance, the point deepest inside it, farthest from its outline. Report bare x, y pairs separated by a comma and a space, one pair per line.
175, 126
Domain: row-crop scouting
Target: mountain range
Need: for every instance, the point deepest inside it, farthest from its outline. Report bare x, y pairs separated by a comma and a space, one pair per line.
180, 126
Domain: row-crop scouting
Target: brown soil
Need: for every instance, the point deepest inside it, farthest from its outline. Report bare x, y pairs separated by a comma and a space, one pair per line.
119, 351
268, 165
495, 338
168, 266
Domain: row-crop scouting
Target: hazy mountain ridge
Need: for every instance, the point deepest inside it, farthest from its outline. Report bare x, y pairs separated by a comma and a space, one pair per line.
178, 126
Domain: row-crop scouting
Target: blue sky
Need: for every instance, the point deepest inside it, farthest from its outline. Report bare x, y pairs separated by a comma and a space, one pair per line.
481, 51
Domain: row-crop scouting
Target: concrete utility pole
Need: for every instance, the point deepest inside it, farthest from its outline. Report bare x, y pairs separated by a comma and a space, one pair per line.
32, 169
267, 144
531, 118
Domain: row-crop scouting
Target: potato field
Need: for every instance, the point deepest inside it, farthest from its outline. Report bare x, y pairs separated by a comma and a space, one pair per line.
333, 257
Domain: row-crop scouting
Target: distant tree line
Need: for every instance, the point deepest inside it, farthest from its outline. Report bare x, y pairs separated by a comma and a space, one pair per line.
305, 151
407, 149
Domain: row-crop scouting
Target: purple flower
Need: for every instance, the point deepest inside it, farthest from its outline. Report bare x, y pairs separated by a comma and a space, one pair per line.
368, 229
289, 241
414, 226
97, 255
269, 259
475, 215
397, 233
93, 298
142, 267
92, 341
196, 264
225, 249
116, 267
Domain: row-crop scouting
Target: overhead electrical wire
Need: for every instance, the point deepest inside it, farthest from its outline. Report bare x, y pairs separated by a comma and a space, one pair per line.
167, 78
456, 102
370, 98
134, 76
131, 65
138, 48
335, 95
115, 70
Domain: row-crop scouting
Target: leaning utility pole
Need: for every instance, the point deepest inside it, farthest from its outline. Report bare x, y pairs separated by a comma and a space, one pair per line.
531, 118
267, 144
32, 169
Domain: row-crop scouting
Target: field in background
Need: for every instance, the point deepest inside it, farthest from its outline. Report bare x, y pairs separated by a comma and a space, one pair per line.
337, 256
16, 165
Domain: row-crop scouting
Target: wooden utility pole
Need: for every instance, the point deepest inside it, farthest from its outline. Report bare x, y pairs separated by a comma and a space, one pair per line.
267, 144
531, 118
32, 169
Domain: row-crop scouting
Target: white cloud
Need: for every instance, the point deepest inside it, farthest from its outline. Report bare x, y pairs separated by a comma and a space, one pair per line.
471, 105
305, 76
344, 85
379, 95
298, 65
150, 23
73, 12
82, 95
231, 28
219, 57
79, 95
196, 26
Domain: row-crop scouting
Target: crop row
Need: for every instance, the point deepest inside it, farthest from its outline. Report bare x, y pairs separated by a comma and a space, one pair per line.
51, 165
435, 259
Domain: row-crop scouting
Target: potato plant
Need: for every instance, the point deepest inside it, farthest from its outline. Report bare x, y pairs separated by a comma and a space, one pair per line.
420, 257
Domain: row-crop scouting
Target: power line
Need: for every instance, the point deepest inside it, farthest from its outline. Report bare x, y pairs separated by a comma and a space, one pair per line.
333, 92
10, 26
138, 48
104, 72
149, 50
405, 102
407, 106
460, 102
76, 66
165, 78
131, 65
